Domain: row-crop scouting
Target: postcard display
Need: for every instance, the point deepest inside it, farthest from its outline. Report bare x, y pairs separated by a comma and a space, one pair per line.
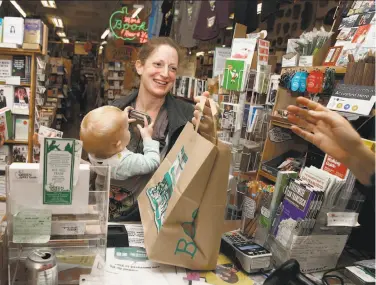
245, 82
52, 205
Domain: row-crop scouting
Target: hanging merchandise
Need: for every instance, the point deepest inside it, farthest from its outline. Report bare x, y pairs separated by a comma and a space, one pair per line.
314, 81
157, 17
189, 12
246, 14
213, 16
329, 80
168, 15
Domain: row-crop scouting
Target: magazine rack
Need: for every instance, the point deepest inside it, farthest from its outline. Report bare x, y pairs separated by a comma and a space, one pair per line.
76, 240
321, 249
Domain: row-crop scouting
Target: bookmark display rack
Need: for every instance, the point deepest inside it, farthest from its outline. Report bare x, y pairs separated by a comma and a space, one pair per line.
11, 52
75, 233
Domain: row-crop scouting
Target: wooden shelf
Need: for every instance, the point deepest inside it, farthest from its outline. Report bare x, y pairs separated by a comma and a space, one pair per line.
25, 84
16, 141
20, 51
338, 69
267, 175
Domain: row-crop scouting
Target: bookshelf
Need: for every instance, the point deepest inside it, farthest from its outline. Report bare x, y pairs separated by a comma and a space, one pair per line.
33, 54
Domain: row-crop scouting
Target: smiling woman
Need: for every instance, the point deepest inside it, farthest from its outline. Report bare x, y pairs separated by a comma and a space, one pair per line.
157, 66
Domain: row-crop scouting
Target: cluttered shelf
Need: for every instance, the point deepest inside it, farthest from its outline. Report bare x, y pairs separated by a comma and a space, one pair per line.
338, 69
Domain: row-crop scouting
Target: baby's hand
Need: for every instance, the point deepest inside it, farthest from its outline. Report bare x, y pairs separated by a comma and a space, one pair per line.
147, 130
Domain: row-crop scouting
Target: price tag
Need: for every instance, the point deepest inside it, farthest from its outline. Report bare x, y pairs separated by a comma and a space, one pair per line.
68, 228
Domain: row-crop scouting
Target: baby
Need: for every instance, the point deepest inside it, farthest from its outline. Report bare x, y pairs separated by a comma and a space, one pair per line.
105, 136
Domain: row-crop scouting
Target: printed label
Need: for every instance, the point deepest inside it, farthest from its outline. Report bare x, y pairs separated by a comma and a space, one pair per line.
160, 194
249, 208
68, 228
25, 175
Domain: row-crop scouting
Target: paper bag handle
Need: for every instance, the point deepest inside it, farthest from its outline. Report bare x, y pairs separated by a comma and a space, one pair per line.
214, 112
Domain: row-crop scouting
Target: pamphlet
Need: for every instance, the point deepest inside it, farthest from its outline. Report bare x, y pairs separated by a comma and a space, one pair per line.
58, 169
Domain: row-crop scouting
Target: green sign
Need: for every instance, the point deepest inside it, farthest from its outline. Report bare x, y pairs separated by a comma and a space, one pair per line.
123, 26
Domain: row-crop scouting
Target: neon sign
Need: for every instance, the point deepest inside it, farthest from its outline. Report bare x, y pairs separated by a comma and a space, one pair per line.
123, 26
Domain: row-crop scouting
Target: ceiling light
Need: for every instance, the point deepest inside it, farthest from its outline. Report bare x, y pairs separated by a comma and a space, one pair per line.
138, 10
101, 47
58, 22
231, 16
229, 28
18, 7
259, 7
66, 41
211, 51
223, 45
105, 33
49, 4
61, 34
201, 53
103, 43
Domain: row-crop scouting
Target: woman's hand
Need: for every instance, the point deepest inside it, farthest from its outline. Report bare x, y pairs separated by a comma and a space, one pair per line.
333, 134
206, 126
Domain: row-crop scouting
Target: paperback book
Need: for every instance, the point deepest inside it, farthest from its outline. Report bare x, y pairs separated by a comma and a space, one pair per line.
21, 101
19, 153
6, 96
6, 123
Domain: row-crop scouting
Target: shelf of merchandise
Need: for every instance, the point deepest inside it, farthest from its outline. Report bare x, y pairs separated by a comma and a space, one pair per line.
32, 85
340, 70
284, 99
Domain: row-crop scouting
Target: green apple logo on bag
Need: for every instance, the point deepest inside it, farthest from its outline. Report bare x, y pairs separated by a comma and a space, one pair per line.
160, 194
189, 247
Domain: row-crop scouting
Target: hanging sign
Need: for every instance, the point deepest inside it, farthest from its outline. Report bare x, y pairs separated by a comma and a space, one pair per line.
123, 26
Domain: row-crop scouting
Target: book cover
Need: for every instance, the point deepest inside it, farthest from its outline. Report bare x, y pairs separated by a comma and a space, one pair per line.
183, 87
21, 127
251, 117
295, 207
4, 155
6, 123
361, 34
21, 101
19, 153
6, 96
18, 65
348, 22
5, 69
192, 88
13, 30
234, 73
33, 33
243, 49
364, 19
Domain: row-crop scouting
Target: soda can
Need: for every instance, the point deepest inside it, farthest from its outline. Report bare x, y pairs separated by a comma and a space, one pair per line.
41, 267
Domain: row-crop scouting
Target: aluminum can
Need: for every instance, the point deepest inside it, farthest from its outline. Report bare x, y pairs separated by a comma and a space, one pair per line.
41, 267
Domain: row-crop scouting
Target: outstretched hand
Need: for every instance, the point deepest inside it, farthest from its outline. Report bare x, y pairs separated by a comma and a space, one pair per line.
326, 129
334, 135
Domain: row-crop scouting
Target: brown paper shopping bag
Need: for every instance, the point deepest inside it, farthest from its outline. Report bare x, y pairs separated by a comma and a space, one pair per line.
182, 207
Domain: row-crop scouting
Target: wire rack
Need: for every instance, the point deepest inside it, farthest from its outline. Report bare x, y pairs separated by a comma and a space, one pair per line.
244, 123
